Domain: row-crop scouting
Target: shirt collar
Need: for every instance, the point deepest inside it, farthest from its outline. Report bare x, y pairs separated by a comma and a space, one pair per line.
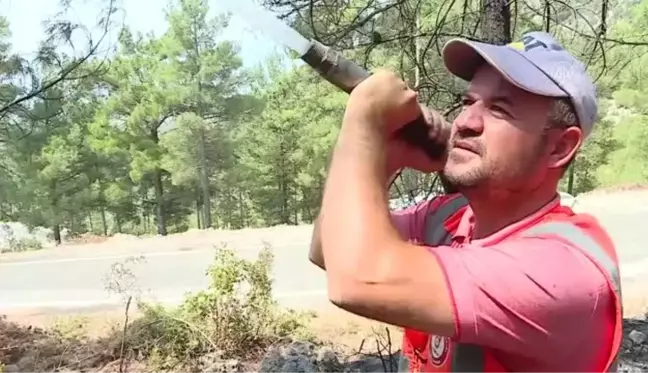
466, 225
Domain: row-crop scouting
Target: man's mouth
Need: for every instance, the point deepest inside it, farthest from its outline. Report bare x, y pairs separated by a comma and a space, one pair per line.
466, 145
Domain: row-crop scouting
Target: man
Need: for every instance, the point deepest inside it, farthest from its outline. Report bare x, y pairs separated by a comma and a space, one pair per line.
500, 277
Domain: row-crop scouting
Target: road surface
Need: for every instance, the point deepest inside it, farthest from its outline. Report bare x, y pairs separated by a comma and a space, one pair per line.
74, 278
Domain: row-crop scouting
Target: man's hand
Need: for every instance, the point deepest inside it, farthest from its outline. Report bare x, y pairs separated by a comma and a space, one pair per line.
401, 154
383, 104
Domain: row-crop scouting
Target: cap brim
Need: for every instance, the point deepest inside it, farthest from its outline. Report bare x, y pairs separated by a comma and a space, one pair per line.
463, 57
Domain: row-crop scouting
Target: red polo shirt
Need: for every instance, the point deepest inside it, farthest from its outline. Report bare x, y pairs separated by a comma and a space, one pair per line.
540, 303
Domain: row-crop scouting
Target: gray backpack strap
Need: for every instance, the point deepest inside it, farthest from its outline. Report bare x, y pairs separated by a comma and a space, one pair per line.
581, 239
435, 235
435, 232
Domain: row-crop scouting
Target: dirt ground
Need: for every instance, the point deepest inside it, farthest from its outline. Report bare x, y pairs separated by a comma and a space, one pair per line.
330, 325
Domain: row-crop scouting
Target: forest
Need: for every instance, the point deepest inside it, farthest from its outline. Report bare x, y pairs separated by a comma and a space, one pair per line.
171, 132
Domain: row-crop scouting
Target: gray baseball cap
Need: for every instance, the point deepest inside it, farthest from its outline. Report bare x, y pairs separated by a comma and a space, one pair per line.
536, 63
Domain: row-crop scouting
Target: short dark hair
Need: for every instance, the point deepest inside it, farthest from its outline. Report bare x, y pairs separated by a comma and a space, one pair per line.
562, 114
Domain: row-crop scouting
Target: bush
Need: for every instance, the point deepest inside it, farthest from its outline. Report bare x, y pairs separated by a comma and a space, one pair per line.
16, 237
233, 318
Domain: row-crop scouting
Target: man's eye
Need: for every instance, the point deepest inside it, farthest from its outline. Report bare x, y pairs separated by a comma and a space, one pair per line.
499, 109
467, 102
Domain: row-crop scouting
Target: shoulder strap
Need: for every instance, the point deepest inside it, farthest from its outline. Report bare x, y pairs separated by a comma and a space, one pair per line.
435, 230
578, 237
603, 257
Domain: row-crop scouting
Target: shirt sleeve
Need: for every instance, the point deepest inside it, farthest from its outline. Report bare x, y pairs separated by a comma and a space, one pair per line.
527, 296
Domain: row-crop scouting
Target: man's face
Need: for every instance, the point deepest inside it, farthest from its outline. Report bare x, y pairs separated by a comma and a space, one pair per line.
498, 141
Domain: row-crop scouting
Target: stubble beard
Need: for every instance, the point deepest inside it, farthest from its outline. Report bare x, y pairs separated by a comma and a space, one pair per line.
485, 174
463, 180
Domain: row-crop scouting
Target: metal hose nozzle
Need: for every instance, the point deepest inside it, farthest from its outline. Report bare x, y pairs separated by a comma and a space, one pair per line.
346, 75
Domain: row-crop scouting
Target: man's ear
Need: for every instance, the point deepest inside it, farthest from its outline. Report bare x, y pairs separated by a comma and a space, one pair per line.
565, 144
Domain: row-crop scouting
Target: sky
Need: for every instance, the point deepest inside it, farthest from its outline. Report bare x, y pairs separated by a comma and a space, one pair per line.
26, 16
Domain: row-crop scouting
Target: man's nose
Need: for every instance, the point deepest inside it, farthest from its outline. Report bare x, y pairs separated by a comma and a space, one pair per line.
471, 119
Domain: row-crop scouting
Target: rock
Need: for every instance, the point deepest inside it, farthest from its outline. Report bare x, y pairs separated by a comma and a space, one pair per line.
214, 362
634, 351
629, 369
26, 364
637, 337
11, 368
211, 357
300, 357
225, 366
373, 363
327, 360
308, 357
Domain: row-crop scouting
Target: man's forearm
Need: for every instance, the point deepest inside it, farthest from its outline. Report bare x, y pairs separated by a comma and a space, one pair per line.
315, 254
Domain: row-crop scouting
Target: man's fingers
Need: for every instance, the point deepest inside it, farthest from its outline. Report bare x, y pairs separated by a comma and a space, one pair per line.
432, 121
438, 127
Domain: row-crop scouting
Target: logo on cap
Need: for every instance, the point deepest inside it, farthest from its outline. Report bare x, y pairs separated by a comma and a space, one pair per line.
518, 45
530, 42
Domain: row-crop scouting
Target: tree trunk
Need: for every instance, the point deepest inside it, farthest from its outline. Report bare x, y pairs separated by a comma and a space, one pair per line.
57, 233
159, 202
496, 22
55, 214
306, 207
104, 224
73, 224
417, 46
198, 211
570, 180
102, 207
285, 213
204, 176
90, 222
159, 192
204, 181
243, 216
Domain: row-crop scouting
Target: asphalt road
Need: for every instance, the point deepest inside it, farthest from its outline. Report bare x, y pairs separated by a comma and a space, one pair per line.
77, 283
65, 279
76, 277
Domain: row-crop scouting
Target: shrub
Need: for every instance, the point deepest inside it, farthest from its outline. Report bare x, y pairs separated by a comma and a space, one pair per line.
235, 316
15, 237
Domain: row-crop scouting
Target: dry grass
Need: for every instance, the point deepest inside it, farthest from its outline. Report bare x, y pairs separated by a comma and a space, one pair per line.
342, 328
331, 325
88, 341
93, 324
349, 333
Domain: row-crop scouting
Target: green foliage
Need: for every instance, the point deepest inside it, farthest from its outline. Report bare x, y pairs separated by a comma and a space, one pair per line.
234, 316
173, 132
286, 147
